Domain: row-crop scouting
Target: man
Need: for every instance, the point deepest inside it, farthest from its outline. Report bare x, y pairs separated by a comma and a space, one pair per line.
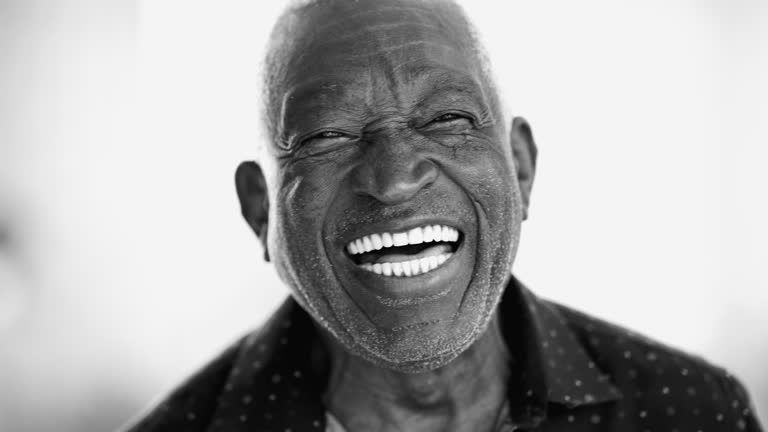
390, 198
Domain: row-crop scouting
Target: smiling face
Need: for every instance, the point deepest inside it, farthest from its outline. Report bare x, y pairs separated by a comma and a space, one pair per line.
394, 208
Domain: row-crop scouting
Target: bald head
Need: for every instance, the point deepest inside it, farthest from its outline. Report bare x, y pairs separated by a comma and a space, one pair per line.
361, 32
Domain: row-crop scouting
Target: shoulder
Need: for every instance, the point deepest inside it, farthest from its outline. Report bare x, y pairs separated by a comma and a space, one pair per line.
661, 382
238, 389
192, 404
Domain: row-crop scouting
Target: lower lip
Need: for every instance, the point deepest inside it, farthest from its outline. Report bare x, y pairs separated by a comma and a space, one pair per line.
432, 283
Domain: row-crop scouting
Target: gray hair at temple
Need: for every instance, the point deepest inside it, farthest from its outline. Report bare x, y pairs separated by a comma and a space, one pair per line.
293, 32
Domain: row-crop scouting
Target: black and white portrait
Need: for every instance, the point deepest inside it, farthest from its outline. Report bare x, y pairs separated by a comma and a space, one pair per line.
383, 215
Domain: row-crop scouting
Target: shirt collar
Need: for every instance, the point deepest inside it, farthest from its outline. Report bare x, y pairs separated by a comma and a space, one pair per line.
549, 363
272, 386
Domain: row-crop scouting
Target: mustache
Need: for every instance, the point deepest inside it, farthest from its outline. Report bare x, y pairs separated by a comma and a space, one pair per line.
365, 211
379, 214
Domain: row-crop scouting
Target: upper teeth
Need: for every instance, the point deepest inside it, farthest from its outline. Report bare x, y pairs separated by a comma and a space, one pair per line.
425, 234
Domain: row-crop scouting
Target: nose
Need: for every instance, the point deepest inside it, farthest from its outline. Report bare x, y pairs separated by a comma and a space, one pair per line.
393, 171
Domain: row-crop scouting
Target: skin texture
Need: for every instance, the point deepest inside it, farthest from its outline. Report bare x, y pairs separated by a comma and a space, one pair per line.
382, 117
465, 395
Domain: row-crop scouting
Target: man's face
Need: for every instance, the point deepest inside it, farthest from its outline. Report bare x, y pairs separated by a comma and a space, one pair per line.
394, 207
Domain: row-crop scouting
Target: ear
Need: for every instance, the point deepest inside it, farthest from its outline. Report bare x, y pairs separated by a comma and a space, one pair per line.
524, 152
254, 199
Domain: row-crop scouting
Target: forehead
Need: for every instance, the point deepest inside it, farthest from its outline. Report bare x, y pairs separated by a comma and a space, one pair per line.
340, 47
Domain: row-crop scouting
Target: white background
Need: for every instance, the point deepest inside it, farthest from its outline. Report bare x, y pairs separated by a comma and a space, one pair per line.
127, 265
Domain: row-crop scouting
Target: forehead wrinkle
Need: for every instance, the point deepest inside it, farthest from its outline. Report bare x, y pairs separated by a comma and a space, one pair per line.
357, 45
394, 48
445, 24
341, 19
384, 27
388, 57
384, 60
317, 85
414, 73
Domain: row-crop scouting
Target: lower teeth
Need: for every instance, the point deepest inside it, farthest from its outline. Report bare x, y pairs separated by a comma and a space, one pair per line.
408, 268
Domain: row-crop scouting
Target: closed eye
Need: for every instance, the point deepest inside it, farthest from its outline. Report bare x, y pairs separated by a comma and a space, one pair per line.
447, 117
325, 140
325, 135
450, 120
328, 134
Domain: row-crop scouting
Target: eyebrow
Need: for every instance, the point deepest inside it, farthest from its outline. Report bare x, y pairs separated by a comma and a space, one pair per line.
449, 78
450, 82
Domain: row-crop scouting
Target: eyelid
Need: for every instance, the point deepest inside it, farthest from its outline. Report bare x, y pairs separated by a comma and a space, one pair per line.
317, 132
461, 113
316, 135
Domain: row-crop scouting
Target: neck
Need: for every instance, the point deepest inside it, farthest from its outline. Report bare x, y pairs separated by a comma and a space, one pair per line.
466, 394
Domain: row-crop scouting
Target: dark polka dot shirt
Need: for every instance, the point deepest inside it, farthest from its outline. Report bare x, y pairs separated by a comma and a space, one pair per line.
570, 372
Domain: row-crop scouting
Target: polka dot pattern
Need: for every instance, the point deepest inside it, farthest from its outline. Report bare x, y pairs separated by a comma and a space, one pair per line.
570, 372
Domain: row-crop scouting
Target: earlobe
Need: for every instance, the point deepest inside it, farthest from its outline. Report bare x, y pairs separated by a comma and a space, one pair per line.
254, 200
524, 152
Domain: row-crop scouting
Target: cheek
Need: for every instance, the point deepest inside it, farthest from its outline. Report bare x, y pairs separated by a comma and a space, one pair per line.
300, 206
488, 175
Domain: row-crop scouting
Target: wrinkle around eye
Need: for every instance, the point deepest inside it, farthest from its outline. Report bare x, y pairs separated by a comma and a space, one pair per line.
318, 143
466, 138
447, 118
459, 124
450, 117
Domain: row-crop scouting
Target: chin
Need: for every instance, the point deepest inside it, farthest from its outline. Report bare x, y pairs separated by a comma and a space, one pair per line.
423, 321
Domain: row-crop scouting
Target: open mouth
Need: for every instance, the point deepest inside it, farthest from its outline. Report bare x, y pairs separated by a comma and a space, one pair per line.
405, 254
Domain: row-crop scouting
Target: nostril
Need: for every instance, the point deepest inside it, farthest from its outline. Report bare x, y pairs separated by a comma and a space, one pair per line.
398, 184
426, 172
397, 192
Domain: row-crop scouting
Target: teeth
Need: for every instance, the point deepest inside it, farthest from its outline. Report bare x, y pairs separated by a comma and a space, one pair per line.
437, 233
425, 234
397, 268
400, 239
419, 235
424, 264
408, 268
447, 233
415, 267
376, 241
415, 236
367, 244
